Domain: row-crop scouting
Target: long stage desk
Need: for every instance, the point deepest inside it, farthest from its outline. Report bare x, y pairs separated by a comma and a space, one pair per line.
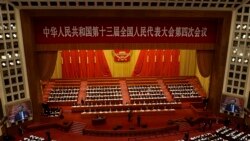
99, 121
168, 105
125, 112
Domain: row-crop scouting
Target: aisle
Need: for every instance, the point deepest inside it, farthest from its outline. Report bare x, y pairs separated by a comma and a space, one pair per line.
124, 90
165, 90
46, 90
82, 92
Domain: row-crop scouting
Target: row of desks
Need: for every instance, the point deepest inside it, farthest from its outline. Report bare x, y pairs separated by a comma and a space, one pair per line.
174, 105
125, 113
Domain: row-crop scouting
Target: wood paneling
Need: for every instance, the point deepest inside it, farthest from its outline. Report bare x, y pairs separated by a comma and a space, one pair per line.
31, 65
219, 63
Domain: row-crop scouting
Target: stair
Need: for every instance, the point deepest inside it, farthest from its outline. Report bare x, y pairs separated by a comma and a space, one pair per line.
82, 93
125, 93
198, 87
46, 90
165, 90
77, 127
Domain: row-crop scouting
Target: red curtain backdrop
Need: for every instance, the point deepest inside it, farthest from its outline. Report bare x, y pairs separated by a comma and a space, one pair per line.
205, 61
157, 63
47, 63
84, 64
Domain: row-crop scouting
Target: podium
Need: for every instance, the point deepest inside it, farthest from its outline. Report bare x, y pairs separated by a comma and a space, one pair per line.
99, 121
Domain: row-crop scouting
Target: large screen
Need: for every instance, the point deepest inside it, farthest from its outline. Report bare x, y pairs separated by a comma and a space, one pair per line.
19, 111
232, 105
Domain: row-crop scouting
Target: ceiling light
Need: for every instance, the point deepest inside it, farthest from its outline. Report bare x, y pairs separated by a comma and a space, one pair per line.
11, 63
14, 35
16, 54
235, 51
238, 26
246, 61
7, 35
239, 60
12, 26
3, 57
244, 26
248, 54
3, 64
243, 36
233, 59
5, 27
9, 55
18, 62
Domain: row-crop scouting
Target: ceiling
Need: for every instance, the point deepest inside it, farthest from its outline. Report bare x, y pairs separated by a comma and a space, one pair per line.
224, 5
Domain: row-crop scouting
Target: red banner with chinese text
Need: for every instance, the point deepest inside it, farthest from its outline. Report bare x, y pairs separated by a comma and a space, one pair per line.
126, 30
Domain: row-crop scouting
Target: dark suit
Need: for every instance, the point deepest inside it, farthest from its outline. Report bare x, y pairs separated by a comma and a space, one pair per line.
139, 120
232, 108
21, 115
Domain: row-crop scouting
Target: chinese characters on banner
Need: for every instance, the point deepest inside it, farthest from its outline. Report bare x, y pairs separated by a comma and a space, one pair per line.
128, 31
124, 31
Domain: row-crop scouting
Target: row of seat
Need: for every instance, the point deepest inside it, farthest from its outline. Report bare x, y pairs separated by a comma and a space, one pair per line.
143, 97
65, 89
206, 137
222, 134
103, 91
182, 91
62, 98
52, 112
105, 97
63, 94
148, 101
103, 101
110, 88
179, 85
103, 94
186, 96
147, 93
233, 134
33, 138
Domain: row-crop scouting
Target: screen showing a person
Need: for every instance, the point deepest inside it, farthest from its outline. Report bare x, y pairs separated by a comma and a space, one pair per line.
231, 105
19, 111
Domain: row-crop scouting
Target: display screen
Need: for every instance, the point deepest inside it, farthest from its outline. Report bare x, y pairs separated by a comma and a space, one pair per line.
232, 105
19, 111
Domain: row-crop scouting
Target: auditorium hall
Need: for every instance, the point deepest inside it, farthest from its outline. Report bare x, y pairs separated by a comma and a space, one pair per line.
129, 70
